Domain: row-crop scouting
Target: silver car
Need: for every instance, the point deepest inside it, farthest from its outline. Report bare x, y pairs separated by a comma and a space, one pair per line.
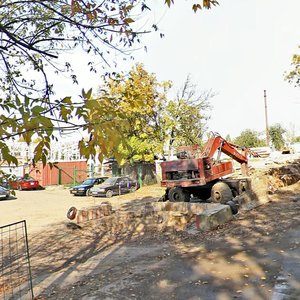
4, 193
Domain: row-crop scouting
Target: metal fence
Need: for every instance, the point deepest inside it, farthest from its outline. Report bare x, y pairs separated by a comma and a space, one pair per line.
15, 273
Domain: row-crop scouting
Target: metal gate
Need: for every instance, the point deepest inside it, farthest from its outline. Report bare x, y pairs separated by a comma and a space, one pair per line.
15, 273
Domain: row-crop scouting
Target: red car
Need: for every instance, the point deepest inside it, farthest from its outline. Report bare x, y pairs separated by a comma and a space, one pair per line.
24, 183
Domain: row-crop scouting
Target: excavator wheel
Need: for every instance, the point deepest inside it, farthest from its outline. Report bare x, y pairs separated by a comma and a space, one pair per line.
221, 193
177, 194
233, 206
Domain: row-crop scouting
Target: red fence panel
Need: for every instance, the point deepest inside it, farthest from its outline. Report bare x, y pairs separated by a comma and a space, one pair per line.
60, 173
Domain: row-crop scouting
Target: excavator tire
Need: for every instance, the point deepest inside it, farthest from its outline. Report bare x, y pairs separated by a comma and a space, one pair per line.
177, 194
221, 193
233, 206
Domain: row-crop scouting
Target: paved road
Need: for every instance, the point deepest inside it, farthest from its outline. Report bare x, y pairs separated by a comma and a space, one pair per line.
287, 284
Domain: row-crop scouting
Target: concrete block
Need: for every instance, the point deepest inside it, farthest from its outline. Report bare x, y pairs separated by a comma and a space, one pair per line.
213, 217
147, 211
106, 208
177, 220
184, 207
93, 212
82, 215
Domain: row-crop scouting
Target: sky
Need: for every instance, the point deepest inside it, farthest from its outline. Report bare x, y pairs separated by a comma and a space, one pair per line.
237, 50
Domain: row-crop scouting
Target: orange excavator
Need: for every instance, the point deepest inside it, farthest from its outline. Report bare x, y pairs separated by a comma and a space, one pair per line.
202, 175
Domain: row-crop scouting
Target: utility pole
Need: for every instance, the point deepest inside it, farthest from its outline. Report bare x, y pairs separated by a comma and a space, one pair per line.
266, 119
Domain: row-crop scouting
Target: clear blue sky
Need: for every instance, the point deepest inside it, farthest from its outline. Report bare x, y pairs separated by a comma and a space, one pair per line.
237, 49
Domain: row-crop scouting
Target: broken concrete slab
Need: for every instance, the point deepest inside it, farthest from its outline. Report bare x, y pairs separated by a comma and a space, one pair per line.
213, 217
172, 219
163, 216
94, 212
183, 207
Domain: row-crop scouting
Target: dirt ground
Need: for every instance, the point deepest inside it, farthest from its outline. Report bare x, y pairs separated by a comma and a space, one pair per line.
252, 257
41, 208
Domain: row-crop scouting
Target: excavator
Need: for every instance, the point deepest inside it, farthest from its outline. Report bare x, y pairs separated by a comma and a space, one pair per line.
202, 175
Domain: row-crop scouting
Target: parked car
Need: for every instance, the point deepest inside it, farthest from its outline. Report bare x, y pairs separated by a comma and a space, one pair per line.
84, 188
24, 183
4, 183
4, 193
114, 186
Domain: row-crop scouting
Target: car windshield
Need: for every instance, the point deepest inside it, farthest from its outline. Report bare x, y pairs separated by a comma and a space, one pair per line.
111, 180
88, 181
27, 179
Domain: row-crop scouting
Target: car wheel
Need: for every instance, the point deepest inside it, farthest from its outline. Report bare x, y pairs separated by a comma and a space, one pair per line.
88, 192
133, 189
109, 194
19, 187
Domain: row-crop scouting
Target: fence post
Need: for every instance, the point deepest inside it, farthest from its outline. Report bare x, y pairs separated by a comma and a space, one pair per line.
74, 176
15, 270
59, 175
140, 174
114, 169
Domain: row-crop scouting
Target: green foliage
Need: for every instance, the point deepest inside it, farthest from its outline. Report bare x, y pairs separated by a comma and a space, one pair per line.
294, 75
207, 4
249, 138
143, 120
35, 33
296, 139
276, 134
133, 101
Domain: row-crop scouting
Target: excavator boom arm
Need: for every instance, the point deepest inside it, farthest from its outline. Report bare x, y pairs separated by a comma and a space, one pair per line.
217, 143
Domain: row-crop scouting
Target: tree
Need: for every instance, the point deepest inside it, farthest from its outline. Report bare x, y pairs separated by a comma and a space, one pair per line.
138, 98
207, 4
148, 120
249, 138
294, 75
34, 34
276, 134
185, 117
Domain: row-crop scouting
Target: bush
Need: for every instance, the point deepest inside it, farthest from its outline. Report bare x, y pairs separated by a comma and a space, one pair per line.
148, 180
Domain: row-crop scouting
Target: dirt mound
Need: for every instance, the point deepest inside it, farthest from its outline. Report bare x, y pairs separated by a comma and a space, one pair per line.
283, 176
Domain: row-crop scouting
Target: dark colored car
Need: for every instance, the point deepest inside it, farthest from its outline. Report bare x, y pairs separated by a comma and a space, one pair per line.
24, 183
84, 188
114, 186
